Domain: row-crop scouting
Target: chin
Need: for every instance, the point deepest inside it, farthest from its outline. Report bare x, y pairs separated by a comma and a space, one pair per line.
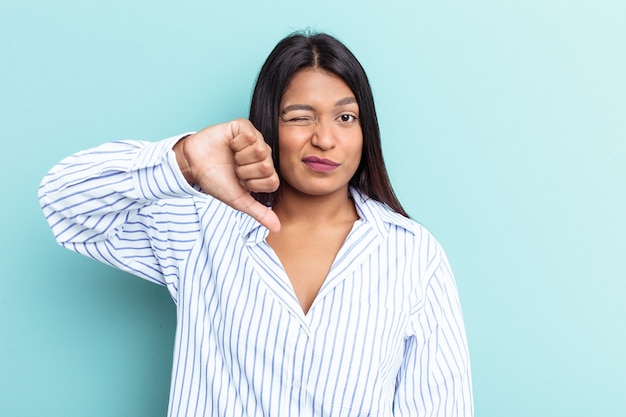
319, 191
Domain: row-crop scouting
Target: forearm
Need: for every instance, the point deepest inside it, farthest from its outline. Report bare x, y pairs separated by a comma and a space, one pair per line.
89, 195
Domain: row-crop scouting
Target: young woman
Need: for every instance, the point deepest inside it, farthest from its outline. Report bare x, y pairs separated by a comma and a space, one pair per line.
302, 287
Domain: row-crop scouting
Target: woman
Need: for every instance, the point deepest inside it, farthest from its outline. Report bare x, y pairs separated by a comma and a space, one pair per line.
302, 287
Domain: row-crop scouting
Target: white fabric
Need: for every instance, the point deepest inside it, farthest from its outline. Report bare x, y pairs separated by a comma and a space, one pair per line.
383, 337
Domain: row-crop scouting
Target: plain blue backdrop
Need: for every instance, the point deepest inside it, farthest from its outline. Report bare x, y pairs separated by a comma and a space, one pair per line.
504, 129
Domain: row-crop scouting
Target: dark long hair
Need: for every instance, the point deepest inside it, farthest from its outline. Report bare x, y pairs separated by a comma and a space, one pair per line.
295, 53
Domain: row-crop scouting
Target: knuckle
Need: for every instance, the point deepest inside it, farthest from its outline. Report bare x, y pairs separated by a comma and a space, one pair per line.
274, 183
260, 152
266, 170
248, 136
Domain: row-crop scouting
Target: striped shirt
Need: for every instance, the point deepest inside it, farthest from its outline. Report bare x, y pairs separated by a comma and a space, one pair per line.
383, 337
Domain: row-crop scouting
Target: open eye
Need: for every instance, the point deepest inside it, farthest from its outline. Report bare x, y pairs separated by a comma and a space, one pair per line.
347, 118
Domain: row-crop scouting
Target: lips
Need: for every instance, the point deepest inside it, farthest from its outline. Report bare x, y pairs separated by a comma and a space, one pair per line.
320, 164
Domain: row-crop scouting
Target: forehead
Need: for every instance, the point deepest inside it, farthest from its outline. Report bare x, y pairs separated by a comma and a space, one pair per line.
315, 86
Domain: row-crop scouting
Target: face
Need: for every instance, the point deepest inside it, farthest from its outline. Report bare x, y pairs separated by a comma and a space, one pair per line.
319, 134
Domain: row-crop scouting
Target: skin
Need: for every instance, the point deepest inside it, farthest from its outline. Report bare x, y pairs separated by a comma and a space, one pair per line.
320, 142
228, 161
319, 119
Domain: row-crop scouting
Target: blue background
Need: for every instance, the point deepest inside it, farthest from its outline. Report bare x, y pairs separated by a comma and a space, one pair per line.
504, 129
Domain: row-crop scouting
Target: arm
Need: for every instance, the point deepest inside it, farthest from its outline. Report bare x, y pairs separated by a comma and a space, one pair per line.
435, 378
129, 204
114, 203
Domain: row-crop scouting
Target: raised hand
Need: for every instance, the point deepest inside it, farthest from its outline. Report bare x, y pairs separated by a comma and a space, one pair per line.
228, 161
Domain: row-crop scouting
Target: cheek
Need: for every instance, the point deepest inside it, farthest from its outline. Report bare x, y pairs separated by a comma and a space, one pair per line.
357, 149
290, 143
284, 150
287, 152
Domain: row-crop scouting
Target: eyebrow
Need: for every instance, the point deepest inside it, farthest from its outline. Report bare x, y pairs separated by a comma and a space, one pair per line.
307, 107
345, 101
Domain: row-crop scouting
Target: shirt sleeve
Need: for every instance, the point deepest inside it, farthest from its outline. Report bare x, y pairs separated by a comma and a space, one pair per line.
126, 204
435, 376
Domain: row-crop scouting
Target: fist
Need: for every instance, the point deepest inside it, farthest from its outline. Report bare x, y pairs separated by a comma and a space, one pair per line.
228, 161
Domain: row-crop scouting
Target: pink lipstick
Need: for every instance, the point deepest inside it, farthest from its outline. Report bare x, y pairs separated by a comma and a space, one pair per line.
320, 164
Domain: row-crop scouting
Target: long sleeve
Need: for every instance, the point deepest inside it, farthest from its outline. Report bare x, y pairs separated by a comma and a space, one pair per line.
126, 204
435, 377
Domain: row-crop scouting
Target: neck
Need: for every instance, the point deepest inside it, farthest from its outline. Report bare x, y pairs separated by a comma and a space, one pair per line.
293, 206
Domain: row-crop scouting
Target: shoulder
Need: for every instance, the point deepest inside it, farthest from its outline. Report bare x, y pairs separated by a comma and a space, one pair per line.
413, 238
379, 213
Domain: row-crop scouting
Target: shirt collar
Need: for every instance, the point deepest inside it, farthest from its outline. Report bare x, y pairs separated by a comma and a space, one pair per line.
378, 215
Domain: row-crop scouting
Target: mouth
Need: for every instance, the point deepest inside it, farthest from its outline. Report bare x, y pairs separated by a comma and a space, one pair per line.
320, 164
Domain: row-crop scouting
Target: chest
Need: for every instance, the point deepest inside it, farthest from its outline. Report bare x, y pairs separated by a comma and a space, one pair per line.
238, 312
307, 258
347, 348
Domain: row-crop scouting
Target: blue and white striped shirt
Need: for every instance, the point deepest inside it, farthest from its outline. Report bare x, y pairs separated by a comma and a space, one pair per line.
383, 337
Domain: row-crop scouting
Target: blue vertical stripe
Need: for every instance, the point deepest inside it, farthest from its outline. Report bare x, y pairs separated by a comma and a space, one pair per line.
384, 335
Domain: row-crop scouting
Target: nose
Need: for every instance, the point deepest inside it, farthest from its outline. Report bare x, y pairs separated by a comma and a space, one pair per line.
323, 136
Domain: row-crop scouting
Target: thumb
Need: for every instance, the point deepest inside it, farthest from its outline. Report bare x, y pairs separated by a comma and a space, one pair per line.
258, 211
